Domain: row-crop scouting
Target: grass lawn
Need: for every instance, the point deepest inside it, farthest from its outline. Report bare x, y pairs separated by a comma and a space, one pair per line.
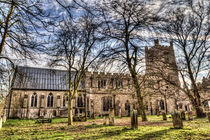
155, 128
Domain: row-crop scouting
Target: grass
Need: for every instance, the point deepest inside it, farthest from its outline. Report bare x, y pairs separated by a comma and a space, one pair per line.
155, 128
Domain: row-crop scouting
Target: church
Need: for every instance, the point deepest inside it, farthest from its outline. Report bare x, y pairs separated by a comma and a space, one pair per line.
42, 93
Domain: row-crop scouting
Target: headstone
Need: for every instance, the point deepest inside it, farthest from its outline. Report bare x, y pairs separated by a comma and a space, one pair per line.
190, 115
177, 120
120, 113
111, 116
0, 122
183, 115
164, 116
208, 114
105, 120
134, 119
4, 118
158, 113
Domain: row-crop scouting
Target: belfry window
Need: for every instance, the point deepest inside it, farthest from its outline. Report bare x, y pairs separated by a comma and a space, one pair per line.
101, 83
50, 100
34, 100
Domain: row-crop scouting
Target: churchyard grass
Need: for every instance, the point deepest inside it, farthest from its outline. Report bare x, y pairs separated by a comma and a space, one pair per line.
155, 128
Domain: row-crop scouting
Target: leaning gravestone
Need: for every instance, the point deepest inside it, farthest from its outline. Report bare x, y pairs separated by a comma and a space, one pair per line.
177, 120
190, 115
134, 119
0, 122
208, 114
111, 116
183, 115
164, 116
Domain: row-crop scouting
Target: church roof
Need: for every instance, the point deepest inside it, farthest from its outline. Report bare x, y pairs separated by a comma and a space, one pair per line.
40, 79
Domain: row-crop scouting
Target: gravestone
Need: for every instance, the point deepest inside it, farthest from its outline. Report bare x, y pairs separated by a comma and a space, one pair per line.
208, 114
177, 120
111, 116
183, 115
105, 120
164, 116
190, 115
4, 118
134, 119
1, 122
158, 113
120, 113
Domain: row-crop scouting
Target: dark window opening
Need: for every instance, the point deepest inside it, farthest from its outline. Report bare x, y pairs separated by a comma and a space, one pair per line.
34, 100
186, 108
80, 101
162, 105
146, 107
91, 82
54, 112
180, 106
119, 83
112, 82
127, 105
65, 100
50, 100
107, 103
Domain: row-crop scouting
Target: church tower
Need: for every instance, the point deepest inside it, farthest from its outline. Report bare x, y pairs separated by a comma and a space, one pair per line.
161, 75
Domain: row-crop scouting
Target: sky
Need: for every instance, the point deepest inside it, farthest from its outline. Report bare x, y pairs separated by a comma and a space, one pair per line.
54, 8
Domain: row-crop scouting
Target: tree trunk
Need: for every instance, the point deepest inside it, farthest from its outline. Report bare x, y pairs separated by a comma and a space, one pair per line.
198, 108
139, 97
70, 112
196, 103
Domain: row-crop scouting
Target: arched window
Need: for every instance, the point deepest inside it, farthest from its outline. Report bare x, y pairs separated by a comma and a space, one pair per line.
34, 100
162, 105
65, 100
50, 100
79, 101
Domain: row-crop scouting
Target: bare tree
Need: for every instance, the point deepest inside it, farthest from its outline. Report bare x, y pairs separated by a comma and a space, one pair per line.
189, 28
20, 22
124, 24
76, 47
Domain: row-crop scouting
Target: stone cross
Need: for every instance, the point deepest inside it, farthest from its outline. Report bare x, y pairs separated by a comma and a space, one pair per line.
177, 120
134, 119
111, 116
183, 115
190, 115
164, 116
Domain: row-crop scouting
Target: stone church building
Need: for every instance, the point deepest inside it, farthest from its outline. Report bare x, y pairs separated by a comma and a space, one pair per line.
40, 92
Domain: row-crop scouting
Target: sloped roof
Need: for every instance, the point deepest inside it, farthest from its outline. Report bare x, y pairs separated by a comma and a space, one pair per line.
40, 79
